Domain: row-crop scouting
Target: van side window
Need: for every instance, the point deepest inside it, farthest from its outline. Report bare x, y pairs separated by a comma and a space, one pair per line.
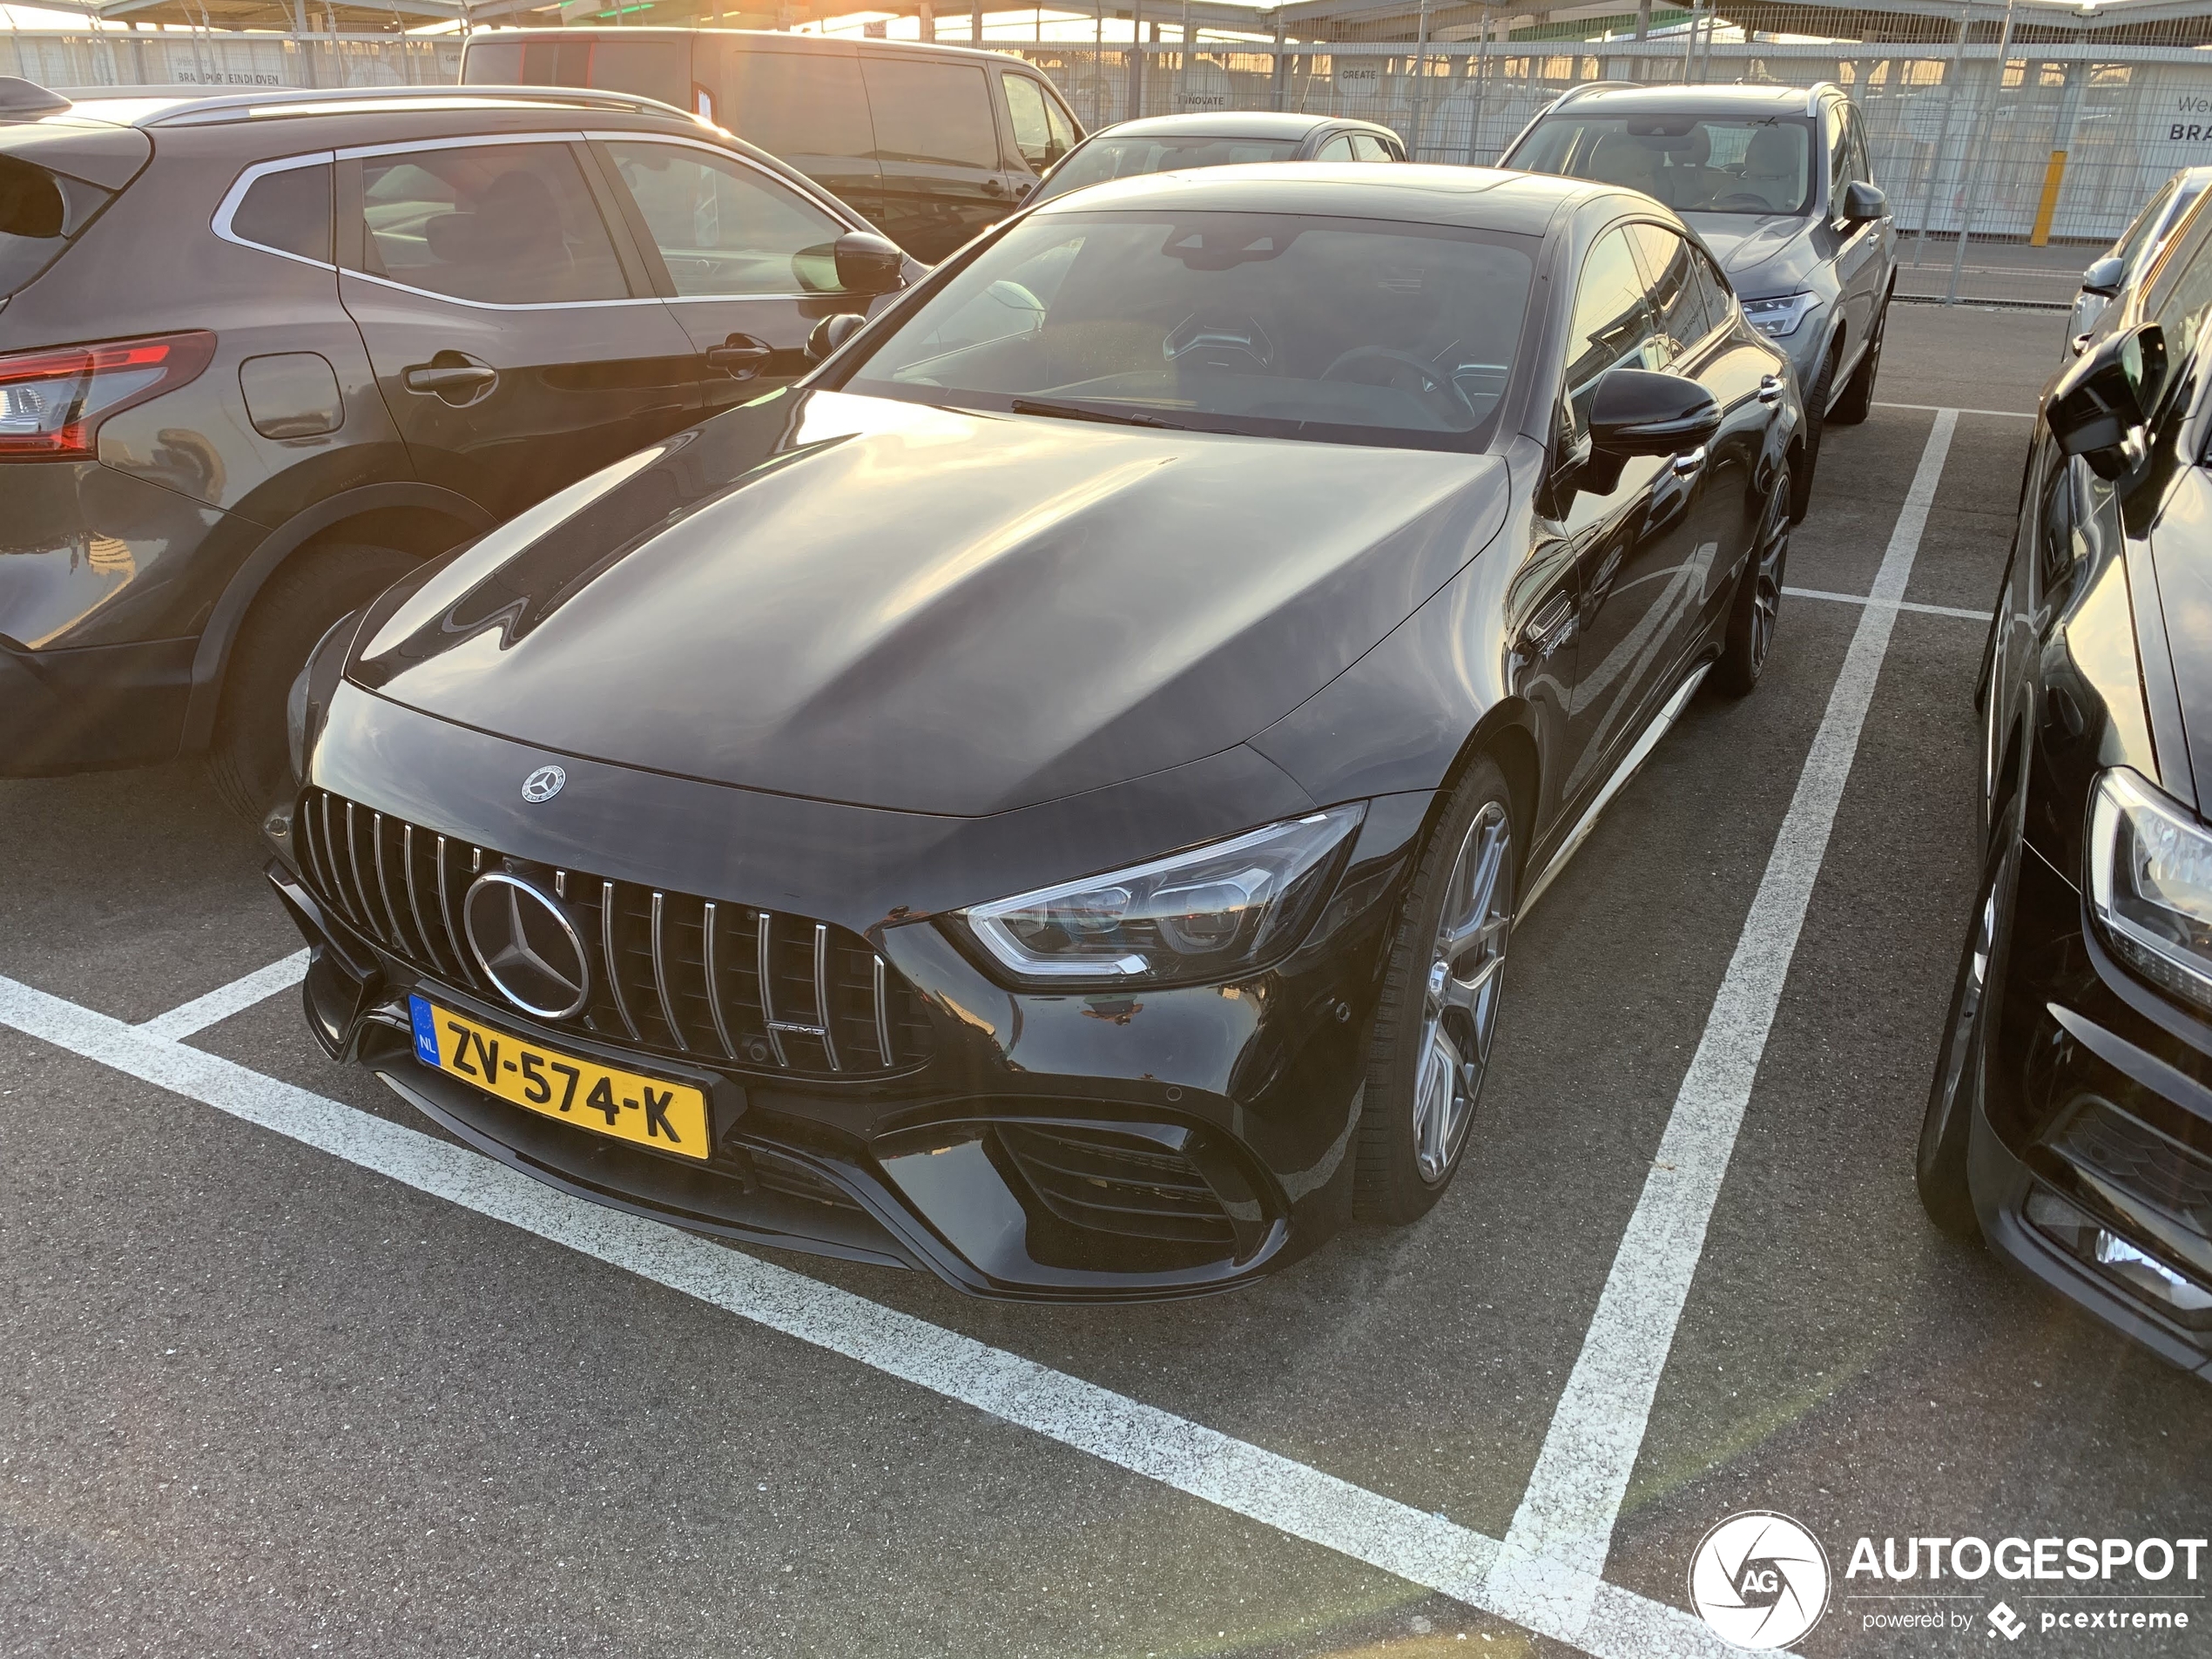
1035, 135
1337, 149
796, 104
1368, 147
509, 224
931, 112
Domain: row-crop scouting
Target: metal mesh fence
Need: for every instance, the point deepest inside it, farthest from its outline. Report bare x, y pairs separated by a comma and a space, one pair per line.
147, 57
2010, 142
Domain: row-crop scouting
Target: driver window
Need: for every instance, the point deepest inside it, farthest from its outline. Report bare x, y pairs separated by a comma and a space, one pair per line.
724, 229
1368, 147
1613, 327
1034, 135
1337, 149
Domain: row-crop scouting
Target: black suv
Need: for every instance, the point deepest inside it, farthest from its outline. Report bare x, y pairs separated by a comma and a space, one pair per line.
262, 353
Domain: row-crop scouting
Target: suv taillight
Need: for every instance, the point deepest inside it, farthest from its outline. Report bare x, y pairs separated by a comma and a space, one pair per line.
52, 401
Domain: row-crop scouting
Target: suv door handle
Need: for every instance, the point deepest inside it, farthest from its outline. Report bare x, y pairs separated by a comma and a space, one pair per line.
741, 355
449, 372
1770, 388
994, 187
1687, 466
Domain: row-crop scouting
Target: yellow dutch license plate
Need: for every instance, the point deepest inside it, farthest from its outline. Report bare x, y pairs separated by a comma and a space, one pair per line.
651, 1111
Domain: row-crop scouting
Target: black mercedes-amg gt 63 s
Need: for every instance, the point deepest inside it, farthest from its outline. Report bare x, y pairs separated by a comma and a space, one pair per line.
2070, 1118
1045, 799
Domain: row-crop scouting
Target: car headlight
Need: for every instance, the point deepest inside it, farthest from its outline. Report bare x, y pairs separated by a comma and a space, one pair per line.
1778, 318
2150, 884
1210, 912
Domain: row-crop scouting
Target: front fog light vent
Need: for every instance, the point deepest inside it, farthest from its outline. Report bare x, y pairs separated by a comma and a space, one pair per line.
2116, 1258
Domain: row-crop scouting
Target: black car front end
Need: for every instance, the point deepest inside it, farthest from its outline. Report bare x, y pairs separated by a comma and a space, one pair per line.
2089, 1152
871, 1090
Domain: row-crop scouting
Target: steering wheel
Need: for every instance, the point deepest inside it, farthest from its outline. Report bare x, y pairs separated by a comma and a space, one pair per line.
1744, 200
1433, 379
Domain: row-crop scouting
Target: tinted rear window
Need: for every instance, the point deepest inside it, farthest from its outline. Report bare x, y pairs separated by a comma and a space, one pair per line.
1111, 158
288, 211
659, 69
40, 212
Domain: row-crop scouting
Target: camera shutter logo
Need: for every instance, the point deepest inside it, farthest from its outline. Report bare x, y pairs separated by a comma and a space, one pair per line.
543, 784
1759, 1580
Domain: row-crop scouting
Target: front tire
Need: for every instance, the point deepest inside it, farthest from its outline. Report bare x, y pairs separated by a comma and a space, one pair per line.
1816, 419
248, 761
1438, 1009
1962, 1064
1858, 401
1756, 608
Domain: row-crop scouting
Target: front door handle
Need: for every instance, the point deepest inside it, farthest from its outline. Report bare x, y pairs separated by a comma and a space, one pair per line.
994, 187
452, 375
1770, 388
1687, 466
1552, 624
741, 355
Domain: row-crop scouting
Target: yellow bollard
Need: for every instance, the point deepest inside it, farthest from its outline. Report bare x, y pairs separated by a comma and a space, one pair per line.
2052, 175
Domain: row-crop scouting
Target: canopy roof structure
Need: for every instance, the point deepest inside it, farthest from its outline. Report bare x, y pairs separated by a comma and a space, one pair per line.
2166, 23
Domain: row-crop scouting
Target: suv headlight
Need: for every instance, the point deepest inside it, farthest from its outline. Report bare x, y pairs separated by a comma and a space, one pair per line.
1211, 912
2150, 884
1778, 318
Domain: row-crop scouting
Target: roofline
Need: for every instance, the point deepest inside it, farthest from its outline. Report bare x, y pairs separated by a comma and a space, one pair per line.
221, 105
494, 34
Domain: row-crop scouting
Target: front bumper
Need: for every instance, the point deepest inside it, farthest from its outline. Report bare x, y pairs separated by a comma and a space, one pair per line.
2090, 1160
1152, 1144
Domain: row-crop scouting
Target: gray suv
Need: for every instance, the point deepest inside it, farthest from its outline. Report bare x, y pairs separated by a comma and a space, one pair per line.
1775, 181
261, 354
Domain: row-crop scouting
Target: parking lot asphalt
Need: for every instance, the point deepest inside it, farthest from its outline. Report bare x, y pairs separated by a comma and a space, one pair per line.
257, 1398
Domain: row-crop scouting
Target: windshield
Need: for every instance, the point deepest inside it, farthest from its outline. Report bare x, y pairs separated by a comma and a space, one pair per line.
1276, 325
1110, 157
1696, 163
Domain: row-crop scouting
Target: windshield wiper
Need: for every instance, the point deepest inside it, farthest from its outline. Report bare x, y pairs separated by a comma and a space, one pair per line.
1077, 412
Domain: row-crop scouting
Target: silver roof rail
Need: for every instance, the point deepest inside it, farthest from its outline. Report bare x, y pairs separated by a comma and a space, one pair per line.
333, 100
1576, 91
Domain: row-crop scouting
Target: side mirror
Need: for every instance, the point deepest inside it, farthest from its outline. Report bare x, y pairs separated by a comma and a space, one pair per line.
832, 332
1863, 202
868, 264
2105, 277
2098, 408
1637, 412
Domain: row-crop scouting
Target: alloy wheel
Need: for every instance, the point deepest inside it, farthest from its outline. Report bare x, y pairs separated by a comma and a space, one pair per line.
1766, 581
1461, 993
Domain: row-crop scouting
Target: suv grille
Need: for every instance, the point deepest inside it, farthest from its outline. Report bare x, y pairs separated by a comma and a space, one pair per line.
671, 972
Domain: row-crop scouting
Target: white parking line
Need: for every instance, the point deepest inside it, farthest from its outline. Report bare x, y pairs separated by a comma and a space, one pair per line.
1939, 408
1894, 605
1246, 1480
1549, 1565
226, 1000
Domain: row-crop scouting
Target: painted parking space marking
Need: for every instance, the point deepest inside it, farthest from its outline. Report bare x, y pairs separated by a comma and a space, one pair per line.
1552, 1559
1277, 1492
226, 1000
1894, 605
1939, 408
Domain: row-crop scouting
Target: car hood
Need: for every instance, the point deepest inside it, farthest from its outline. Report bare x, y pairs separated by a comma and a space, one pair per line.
888, 604
1762, 253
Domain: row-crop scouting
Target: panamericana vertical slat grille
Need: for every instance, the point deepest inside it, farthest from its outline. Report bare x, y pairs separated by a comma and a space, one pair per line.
700, 978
